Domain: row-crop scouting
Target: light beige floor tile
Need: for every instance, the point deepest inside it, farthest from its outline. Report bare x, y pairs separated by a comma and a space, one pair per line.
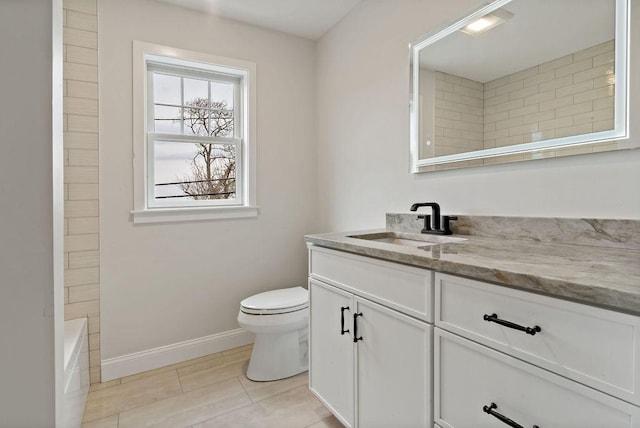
172, 367
108, 422
103, 385
296, 408
330, 422
188, 408
238, 349
198, 360
261, 390
245, 354
120, 398
217, 392
214, 361
191, 380
146, 374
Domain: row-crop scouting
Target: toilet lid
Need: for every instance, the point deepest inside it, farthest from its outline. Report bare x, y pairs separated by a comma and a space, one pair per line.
276, 301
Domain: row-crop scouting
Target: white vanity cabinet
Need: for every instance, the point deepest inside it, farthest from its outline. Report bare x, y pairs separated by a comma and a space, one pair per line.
590, 345
494, 357
559, 347
475, 386
378, 373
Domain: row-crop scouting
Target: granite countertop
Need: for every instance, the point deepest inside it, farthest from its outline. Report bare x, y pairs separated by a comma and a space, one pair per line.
603, 272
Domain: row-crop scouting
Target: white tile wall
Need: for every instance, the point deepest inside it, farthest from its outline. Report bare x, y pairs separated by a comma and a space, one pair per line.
567, 96
82, 240
570, 95
458, 114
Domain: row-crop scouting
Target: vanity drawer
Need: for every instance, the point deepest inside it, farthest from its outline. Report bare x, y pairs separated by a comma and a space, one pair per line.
469, 376
593, 346
404, 288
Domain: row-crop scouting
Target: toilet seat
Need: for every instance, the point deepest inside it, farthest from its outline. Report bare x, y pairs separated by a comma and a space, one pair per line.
275, 302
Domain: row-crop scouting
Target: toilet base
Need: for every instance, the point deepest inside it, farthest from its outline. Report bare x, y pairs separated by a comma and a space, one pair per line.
278, 356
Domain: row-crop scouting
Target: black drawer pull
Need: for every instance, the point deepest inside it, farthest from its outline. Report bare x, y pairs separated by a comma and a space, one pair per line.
490, 410
529, 330
342, 330
355, 327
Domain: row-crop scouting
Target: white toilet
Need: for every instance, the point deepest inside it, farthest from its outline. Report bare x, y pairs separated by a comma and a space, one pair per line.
280, 321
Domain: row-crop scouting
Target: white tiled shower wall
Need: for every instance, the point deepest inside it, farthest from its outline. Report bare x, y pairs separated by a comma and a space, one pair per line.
81, 216
459, 110
570, 95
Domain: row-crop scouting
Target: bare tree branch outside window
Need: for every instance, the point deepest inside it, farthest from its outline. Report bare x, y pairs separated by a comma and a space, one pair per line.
213, 167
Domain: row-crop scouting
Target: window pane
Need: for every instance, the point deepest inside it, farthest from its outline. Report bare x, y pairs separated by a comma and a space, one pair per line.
222, 95
196, 92
196, 121
167, 119
166, 89
188, 171
222, 123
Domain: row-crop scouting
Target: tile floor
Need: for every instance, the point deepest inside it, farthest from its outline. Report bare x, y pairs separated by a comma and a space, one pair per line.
207, 392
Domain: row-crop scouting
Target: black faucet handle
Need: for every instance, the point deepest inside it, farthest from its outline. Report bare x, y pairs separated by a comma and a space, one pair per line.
427, 223
446, 229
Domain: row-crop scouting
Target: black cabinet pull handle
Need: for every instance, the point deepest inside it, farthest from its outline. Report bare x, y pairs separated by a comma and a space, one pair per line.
529, 330
355, 327
342, 309
490, 410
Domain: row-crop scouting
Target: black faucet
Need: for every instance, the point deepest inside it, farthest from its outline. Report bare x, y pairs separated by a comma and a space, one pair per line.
435, 208
435, 211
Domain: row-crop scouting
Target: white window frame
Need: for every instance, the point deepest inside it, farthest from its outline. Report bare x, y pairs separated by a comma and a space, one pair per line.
148, 57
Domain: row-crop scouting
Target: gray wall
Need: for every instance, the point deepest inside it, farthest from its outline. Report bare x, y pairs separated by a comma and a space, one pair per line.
27, 389
165, 283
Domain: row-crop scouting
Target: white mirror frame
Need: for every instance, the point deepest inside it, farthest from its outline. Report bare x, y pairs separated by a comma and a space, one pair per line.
621, 96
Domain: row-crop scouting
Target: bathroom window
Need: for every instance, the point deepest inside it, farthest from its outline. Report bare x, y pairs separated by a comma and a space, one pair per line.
197, 137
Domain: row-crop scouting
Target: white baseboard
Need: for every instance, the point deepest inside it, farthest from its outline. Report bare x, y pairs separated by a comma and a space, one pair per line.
138, 362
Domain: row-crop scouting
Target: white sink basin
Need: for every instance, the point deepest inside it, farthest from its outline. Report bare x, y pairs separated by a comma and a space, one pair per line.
409, 239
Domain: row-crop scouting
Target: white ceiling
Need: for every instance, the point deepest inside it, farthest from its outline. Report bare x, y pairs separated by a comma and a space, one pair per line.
306, 18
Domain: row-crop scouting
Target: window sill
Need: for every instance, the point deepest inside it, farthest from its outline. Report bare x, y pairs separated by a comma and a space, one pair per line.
172, 215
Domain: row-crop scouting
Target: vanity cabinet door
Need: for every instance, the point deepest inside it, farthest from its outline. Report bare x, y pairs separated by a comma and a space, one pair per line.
393, 355
331, 358
472, 381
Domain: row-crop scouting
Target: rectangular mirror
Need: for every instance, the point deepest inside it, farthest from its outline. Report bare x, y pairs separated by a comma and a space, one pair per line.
519, 80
